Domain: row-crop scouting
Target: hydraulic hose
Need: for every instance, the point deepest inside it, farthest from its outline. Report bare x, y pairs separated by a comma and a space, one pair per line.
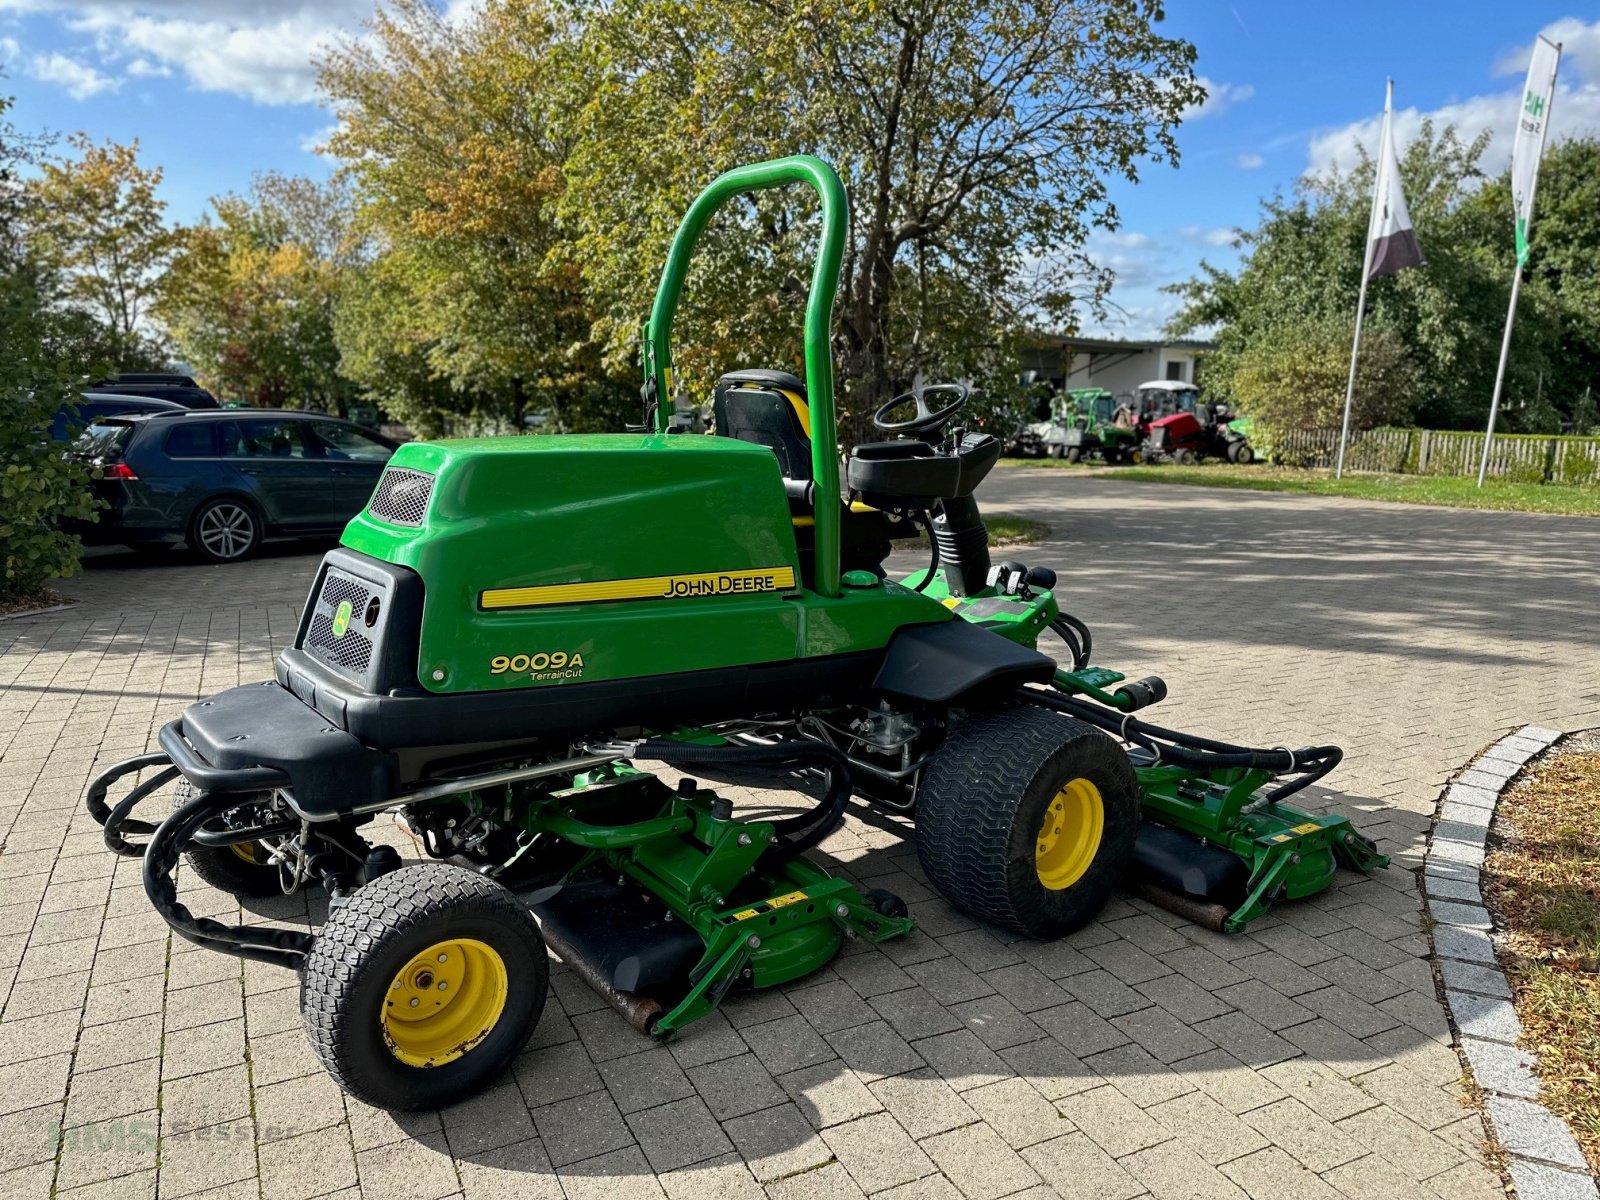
1077, 637
795, 835
933, 562
1306, 765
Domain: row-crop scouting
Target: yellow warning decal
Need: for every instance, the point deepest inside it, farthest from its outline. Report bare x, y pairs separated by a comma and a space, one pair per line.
650, 587
1308, 827
766, 906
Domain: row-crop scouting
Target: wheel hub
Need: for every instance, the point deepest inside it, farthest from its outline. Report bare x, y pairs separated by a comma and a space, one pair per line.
1069, 836
444, 1002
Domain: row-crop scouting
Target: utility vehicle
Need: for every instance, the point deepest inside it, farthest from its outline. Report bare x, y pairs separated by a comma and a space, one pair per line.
530, 647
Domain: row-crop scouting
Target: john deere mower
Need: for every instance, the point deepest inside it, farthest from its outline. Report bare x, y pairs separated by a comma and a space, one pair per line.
534, 651
1090, 427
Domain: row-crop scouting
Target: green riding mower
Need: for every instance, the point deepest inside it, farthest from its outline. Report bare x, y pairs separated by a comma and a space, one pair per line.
1089, 427
520, 637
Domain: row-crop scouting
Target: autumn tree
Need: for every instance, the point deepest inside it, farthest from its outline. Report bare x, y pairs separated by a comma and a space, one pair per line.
451, 133
251, 292
99, 226
528, 163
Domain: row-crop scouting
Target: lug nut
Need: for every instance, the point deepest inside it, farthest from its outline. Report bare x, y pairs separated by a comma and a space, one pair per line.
415, 1002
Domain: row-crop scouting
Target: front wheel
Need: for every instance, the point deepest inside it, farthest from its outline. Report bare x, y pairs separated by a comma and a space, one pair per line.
1074, 453
423, 986
1026, 820
1241, 453
225, 530
242, 870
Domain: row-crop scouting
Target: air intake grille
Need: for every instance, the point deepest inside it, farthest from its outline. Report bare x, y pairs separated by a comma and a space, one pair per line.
350, 652
402, 496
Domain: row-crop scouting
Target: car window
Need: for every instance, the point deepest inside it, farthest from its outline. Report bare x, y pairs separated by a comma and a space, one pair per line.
101, 441
346, 441
263, 438
195, 440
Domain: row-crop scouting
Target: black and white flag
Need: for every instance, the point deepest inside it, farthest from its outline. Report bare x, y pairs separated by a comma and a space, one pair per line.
1392, 242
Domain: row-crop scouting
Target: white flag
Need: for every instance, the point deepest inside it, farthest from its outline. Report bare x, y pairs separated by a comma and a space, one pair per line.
1392, 241
1532, 123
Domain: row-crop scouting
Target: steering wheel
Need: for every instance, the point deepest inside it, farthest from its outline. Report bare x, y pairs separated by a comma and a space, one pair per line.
929, 421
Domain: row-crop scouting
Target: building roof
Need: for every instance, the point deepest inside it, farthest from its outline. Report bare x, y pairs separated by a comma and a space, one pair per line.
1097, 345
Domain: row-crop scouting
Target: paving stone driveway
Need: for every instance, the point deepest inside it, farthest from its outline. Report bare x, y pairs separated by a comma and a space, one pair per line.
1309, 1058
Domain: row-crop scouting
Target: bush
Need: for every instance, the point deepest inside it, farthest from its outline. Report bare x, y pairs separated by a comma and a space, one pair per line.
38, 488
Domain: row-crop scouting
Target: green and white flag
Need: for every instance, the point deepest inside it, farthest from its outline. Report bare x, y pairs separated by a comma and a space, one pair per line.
1532, 123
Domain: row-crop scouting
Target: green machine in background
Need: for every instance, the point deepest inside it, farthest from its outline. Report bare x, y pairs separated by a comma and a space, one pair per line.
536, 653
1087, 426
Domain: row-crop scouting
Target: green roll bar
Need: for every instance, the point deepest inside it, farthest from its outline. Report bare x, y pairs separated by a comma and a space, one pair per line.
780, 172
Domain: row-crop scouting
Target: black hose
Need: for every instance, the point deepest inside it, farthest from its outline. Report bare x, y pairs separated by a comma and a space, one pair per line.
1085, 638
794, 835
933, 562
117, 822
1306, 765
261, 943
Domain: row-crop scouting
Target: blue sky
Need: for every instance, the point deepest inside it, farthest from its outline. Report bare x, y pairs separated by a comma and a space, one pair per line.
217, 89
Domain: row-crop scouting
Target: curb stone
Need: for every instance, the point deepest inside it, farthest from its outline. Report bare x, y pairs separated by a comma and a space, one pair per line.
1545, 1162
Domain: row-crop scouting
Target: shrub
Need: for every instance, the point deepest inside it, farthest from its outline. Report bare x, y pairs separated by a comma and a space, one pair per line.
38, 488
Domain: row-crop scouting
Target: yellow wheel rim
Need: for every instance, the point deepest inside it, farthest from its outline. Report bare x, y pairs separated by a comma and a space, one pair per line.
1069, 835
249, 851
444, 1002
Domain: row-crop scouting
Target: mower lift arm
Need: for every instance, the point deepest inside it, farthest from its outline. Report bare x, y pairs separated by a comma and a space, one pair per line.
780, 172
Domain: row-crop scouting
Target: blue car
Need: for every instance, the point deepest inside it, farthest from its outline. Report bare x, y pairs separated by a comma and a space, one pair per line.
223, 480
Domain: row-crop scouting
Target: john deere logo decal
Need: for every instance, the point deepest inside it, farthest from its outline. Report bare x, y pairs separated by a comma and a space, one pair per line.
341, 618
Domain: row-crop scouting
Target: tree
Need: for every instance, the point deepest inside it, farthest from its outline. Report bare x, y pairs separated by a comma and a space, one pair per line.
251, 293
38, 487
1301, 274
552, 149
99, 225
975, 139
450, 133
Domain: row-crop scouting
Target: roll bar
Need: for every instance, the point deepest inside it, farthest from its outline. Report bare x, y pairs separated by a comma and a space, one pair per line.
780, 172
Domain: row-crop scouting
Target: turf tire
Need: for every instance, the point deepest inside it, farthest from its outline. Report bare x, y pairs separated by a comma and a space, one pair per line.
364, 944
1074, 454
227, 870
983, 799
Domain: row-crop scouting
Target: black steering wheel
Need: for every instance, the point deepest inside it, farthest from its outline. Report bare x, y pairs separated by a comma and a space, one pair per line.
929, 421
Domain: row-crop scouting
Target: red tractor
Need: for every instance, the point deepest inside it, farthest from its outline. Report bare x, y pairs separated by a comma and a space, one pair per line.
1191, 429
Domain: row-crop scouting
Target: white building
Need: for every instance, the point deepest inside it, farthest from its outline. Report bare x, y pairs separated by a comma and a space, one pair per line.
1118, 366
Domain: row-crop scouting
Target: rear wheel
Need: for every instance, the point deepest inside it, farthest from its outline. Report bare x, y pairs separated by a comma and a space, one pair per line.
1074, 453
242, 870
423, 986
1026, 820
1241, 452
225, 530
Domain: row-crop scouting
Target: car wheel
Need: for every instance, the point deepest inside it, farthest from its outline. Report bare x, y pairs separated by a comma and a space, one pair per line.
225, 530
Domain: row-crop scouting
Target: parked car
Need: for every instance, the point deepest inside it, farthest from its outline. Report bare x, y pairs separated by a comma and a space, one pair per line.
71, 418
180, 389
223, 480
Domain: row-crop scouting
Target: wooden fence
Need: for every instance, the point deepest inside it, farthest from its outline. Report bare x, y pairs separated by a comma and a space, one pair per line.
1524, 457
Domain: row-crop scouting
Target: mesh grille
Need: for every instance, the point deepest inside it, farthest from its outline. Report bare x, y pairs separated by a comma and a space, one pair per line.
402, 496
353, 652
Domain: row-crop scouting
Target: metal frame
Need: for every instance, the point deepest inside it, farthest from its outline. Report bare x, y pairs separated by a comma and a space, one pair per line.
779, 172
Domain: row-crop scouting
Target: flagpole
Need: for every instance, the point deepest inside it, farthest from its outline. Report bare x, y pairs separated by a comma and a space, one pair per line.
1516, 281
1366, 270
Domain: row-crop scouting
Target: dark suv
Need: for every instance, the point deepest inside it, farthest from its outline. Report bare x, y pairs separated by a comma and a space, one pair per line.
222, 480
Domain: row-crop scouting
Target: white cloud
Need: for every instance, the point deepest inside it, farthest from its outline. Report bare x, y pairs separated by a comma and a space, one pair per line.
316, 142
79, 80
1250, 161
1574, 112
262, 50
1211, 237
1219, 98
1129, 241
9, 51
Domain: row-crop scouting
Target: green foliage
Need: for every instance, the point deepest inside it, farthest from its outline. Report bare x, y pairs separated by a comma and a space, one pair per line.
1302, 272
38, 487
251, 293
522, 171
99, 228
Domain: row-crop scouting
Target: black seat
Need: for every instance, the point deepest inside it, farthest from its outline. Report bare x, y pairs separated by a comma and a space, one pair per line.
770, 408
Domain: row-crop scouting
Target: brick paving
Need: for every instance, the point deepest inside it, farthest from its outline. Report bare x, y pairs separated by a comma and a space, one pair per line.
1142, 1056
